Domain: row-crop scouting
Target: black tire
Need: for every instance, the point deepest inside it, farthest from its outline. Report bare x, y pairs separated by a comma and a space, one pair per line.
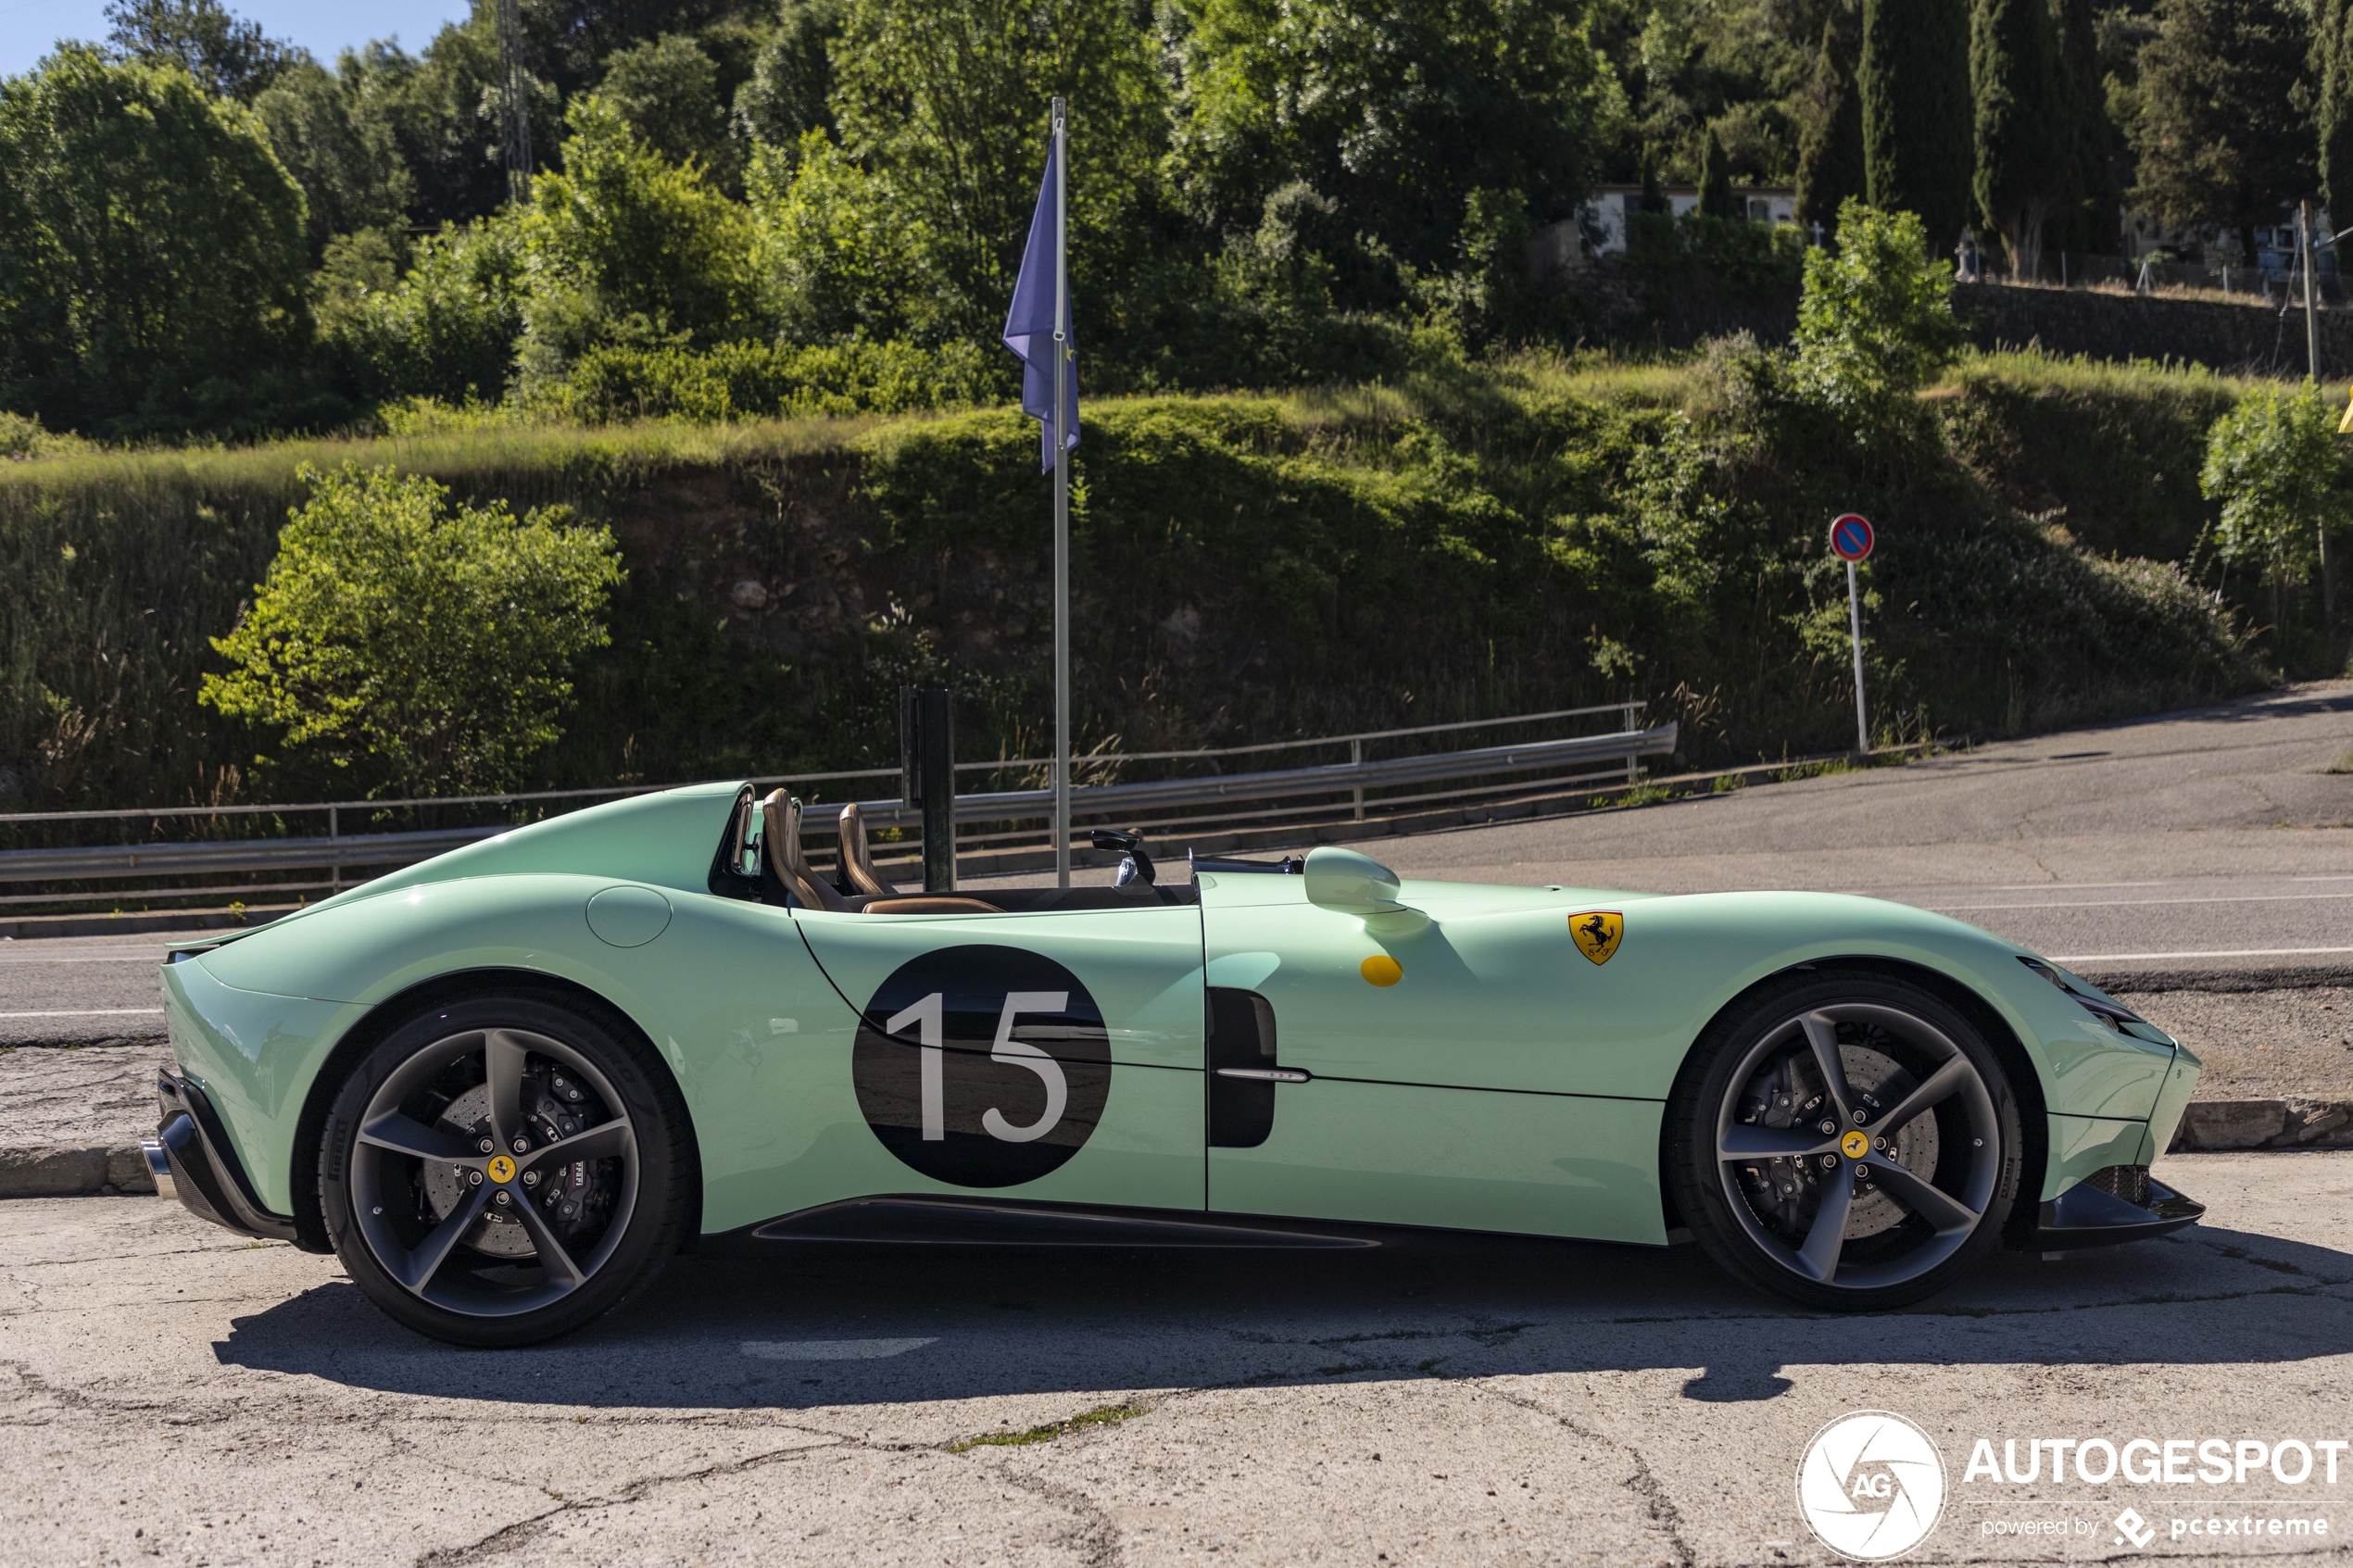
1759, 1180
423, 1149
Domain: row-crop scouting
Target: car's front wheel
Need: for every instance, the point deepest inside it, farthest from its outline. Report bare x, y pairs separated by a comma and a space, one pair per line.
501, 1170
1846, 1140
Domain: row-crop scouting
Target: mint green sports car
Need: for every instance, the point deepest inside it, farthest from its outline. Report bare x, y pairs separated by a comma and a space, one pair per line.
505, 1084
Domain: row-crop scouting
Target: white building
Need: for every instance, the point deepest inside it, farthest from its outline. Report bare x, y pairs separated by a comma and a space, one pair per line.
1604, 219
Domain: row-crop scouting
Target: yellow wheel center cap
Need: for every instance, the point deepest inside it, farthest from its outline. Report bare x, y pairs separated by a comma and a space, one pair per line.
502, 1170
1855, 1144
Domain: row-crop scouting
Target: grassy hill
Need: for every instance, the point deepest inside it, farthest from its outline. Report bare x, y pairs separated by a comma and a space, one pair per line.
1534, 534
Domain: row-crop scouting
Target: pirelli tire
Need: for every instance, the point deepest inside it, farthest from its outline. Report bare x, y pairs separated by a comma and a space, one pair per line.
502, 1170
1844, 1140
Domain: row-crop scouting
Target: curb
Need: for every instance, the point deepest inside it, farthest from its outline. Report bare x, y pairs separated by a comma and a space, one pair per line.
54, 1170
2212, 1126
2208, 1126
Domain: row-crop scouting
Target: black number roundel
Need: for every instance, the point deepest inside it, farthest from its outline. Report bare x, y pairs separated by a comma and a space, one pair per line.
982, 1066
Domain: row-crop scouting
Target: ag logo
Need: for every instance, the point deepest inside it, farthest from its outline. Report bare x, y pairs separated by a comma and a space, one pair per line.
982, 1066
1872, 1486
1597, 931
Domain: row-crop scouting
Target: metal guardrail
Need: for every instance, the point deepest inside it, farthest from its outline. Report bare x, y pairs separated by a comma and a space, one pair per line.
388, 851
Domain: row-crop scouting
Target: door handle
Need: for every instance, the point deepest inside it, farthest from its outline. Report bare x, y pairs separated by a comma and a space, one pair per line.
1265, 1074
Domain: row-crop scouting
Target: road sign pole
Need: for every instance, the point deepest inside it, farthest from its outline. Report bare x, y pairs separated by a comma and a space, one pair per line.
1855, 632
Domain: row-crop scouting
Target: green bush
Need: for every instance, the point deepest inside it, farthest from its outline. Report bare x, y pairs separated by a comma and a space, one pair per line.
416, 649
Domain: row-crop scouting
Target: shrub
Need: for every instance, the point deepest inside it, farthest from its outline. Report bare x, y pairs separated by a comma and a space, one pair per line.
1875, 321
421, 648
756, 380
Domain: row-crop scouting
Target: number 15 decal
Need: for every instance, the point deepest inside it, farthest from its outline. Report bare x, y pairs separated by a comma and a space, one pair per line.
948, 1090
924, 1015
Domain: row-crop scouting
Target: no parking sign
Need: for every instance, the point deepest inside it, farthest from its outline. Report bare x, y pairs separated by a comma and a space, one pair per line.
1852, 537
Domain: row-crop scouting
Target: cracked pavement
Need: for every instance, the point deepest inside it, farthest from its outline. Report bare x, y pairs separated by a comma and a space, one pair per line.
169, 1393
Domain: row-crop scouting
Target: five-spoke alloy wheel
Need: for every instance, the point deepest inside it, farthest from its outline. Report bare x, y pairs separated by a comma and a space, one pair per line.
501, 1170
1845, 1140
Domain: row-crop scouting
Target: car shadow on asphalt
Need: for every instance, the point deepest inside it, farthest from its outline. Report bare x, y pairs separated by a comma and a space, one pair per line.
816, 1325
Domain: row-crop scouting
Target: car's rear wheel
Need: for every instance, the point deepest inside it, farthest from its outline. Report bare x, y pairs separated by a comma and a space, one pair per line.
501, 1170
1846, 1140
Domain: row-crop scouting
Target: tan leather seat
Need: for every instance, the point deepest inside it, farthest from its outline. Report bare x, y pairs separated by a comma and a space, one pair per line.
855, 858
932, 904
780, 841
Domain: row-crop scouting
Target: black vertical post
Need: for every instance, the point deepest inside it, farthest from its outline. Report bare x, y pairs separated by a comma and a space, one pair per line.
928, 778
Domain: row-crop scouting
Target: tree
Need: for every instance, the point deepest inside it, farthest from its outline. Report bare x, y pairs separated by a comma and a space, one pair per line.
233, 58
2333, 65
1830, 148
2272, 463
942, 104
347, 164
2093, 218
152, 242
792, 82
1396, 111
1715, 181
422, 648
1918, 152
2225, 134
446, 328
667, 92
626, 246
2025, 145
1875, 318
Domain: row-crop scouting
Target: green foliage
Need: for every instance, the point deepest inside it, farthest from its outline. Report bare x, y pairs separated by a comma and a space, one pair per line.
153, 244
344, 159
2092, 219
2274, 463
942, 107
1830, 152
1914, 82
420, 648
667, 92
2025, 140
2333, 113
230, 58
1875, 321
446, 328
2224, 133
625, 247
1715, 181
1398, 112
739, 380
790, 92
1451, 543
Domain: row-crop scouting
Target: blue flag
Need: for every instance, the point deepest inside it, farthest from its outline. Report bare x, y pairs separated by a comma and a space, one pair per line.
1029, 325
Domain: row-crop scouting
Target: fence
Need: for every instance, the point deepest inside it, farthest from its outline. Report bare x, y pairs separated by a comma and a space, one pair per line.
1300, 795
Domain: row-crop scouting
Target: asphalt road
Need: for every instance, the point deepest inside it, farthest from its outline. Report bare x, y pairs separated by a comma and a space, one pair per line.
2220, 835
2216, 839
169, 1394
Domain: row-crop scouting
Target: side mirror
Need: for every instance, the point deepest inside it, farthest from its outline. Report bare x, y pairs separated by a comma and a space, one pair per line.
1358, 884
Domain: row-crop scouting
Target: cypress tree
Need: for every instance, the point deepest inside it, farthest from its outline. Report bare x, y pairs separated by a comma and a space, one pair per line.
2094, 220
2333, 61
1917, 149
2025, 145
2223, 135
1652, 199
1716, 180
1829, 147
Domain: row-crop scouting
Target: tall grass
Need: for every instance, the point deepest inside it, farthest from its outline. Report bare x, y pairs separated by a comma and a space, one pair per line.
1460, 541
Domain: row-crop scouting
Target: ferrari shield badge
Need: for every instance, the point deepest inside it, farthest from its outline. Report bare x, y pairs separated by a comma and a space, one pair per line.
1597, 931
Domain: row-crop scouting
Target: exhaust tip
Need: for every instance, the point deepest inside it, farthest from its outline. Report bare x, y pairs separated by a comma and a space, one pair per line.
159, 1167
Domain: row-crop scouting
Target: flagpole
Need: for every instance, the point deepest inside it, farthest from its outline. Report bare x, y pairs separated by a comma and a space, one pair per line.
1061, 505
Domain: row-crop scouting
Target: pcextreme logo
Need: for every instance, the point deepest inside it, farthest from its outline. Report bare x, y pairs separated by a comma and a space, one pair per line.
1872, 1486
